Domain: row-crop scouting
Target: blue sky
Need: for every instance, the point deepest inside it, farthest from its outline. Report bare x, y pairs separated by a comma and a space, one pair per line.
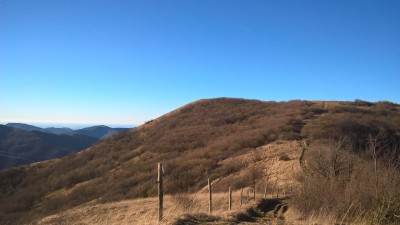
126, 62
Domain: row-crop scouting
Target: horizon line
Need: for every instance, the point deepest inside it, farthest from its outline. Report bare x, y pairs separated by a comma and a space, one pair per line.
71, 124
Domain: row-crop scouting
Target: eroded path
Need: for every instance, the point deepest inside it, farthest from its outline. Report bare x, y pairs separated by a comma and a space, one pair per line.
267, 211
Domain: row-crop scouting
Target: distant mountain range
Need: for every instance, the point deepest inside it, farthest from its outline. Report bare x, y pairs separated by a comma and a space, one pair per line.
23, 143
99, 132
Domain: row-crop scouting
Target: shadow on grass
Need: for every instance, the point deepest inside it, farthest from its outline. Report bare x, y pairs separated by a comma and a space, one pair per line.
263, 207
193, 219
267, 205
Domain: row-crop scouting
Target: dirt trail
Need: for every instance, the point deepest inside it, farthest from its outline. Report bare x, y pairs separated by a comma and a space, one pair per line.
267, 211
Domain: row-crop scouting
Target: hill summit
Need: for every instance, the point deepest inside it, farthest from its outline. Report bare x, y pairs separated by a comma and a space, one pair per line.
193, 142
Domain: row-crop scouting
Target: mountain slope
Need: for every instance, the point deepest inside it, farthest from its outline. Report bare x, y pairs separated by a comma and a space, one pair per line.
18, 147
99, 132
55, 130
193, 142
26, 127
143, 210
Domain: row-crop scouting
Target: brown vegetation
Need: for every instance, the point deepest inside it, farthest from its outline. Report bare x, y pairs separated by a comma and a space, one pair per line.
192, 142
179, 209
351, 188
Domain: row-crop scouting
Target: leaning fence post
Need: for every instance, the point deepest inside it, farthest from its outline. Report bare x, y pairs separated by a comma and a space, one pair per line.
160, 191
210, 191
230, 198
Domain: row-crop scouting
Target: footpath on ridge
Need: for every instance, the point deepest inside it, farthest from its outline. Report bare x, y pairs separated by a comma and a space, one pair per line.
267, 211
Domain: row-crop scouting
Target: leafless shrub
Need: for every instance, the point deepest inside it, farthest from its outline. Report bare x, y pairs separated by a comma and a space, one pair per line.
351, 187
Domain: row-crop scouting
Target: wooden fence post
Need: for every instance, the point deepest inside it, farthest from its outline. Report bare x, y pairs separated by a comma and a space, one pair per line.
230, 198
210, 191
241, 197
265, 191
254, 193
160, 191
277, 192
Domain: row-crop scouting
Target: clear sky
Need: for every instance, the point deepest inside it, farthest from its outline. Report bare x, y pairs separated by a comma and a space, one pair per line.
126, 62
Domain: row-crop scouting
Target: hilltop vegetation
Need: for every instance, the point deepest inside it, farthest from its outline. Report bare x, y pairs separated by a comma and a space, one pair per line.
192, 142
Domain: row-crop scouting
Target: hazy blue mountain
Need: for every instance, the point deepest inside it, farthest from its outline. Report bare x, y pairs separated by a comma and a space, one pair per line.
26, 127
55, 130
18, 147
100, 131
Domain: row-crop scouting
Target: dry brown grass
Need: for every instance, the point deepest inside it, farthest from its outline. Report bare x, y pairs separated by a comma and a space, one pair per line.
266, 160
347, 188
216, 138
144, 211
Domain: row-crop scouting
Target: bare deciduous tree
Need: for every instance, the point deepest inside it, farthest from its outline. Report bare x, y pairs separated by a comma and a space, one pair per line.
333, 160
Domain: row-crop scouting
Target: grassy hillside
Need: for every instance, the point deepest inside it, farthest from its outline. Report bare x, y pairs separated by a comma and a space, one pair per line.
194, 142
144, 211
